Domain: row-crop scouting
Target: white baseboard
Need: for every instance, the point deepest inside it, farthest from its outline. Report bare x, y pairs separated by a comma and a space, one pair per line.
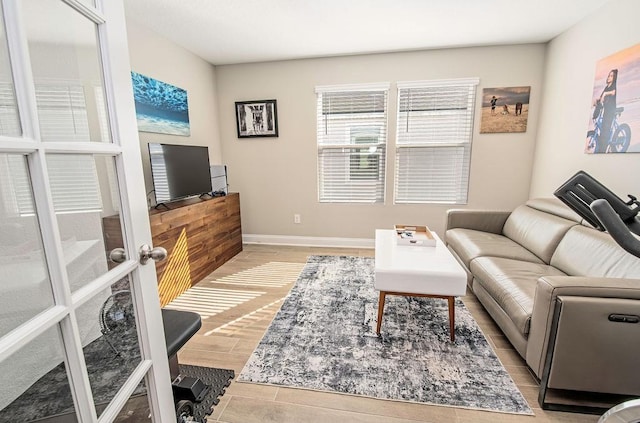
308, 241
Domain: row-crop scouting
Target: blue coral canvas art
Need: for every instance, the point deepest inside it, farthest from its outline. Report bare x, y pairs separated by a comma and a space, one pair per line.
160, 107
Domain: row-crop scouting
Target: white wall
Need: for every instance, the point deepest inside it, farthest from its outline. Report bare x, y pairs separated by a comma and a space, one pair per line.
276, 177
155, 56
567, 97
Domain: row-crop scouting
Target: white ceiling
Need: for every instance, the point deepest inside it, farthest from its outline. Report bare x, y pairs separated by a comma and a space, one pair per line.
242, 31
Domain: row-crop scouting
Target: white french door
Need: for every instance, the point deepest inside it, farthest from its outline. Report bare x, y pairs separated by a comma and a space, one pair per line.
81, 337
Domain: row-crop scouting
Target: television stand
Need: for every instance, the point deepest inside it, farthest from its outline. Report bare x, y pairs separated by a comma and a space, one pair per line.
157, 206
199, 235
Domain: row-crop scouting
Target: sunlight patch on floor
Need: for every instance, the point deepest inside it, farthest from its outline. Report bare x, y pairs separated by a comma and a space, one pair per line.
266, 312
273, 274
210, 301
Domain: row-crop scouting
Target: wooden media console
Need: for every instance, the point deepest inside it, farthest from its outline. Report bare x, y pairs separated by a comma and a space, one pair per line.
199, 236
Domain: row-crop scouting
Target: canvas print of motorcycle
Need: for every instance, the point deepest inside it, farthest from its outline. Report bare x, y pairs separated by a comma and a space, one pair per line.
615, 104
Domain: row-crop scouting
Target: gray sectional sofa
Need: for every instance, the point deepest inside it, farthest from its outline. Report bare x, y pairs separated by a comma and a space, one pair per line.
540, 258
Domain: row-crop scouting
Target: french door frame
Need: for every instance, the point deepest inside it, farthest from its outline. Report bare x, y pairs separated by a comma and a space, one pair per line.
124, 148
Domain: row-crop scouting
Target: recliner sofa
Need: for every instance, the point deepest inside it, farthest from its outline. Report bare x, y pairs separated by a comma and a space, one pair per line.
526, 264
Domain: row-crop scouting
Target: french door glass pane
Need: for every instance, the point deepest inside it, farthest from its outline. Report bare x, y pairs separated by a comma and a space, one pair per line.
9, 118
91, 3
110, 341
86, 199
65, 60
136, 409
34, 384
25, 287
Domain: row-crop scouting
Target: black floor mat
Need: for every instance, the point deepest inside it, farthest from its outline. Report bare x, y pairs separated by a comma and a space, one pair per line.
217, 379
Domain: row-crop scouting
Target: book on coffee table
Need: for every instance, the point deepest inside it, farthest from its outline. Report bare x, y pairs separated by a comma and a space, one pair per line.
417, 235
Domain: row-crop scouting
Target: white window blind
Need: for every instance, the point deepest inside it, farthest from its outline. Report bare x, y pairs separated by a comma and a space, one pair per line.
352, 141
73, 177
105, 132
74, 183
9, 119
160, 180
433, 148
62, 112
73, 180
15, 189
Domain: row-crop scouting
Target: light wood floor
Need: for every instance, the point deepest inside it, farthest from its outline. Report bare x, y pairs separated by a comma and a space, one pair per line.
249, 290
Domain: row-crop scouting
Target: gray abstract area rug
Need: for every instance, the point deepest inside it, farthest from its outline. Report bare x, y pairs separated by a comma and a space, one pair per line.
323, 338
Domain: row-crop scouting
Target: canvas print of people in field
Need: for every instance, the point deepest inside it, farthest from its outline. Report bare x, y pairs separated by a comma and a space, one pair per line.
504, 109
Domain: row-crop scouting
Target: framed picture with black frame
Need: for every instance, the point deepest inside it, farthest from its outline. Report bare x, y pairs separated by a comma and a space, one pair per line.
258, 118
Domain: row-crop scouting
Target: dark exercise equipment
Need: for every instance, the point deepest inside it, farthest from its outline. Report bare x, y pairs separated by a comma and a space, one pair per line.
117, 316
195, 389
603, 209
179, 327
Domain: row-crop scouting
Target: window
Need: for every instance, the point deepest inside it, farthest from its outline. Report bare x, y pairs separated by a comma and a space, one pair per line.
433, 149
352, 140
365, 162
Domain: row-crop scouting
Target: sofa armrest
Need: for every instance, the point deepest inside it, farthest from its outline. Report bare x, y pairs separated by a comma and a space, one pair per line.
549, 288
479, 220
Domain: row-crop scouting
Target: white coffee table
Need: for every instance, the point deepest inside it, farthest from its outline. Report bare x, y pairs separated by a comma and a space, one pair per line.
417, 271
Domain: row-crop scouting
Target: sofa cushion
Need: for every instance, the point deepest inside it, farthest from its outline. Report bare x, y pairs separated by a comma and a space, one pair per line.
556, 207
469, 244
512, 284
588, 252
536, 230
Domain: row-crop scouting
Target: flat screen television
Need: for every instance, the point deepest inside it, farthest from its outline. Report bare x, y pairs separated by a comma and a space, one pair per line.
179, 171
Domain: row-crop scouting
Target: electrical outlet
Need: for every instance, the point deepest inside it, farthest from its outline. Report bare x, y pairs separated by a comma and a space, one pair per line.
296, 218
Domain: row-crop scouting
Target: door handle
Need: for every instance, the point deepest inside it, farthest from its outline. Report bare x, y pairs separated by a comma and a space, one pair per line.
156, 254
117, 255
